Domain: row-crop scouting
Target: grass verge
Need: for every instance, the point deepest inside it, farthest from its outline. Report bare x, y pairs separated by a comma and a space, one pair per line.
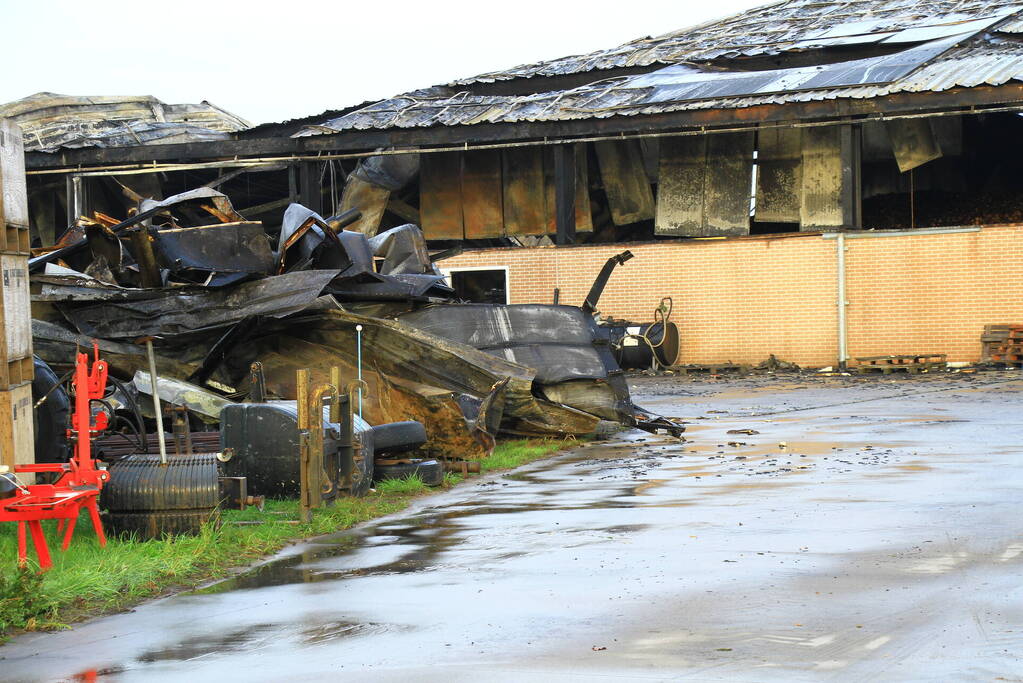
89, 580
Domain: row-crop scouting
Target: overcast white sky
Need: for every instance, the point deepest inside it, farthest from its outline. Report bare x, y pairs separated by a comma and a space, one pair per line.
270, 61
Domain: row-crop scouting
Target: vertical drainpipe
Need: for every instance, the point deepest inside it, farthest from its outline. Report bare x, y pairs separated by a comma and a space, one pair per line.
843, 349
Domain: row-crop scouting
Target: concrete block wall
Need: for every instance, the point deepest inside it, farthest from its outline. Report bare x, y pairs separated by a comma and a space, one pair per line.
742, 299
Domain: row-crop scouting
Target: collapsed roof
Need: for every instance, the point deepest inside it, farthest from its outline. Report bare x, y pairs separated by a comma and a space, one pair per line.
791, 51
50, 121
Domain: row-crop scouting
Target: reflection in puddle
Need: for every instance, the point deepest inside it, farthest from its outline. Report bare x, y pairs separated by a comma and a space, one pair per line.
325, 633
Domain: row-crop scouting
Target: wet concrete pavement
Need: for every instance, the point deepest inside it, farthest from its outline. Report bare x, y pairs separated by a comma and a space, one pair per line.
867, 531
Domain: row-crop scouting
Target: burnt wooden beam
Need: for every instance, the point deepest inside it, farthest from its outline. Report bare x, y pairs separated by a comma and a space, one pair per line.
403, 210
359, 141
310, 192
564, 192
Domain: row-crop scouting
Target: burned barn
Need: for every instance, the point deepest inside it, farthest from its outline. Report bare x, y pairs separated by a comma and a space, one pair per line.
817, 181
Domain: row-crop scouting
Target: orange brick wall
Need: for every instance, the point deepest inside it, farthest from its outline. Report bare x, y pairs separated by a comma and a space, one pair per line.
932, 293
741, 300
734, 300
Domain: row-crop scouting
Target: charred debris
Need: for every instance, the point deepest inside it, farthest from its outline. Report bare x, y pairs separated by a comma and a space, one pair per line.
234, 311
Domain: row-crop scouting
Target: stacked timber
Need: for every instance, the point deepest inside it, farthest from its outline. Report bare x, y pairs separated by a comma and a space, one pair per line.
1003, 345
16, 435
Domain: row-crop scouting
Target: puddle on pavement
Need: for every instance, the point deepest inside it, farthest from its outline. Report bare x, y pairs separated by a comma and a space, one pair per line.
247, 639
636, 471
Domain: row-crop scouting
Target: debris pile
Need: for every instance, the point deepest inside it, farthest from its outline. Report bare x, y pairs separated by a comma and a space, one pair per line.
216, 293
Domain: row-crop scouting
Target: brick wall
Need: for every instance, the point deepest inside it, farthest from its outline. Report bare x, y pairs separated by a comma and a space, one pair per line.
741, 300
932, 293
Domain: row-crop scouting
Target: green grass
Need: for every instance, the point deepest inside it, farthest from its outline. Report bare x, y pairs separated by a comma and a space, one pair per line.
511, 454
88, 580
409, 485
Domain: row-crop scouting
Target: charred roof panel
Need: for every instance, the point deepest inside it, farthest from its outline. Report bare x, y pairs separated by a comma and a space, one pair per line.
50, 121
779, 27
935, 66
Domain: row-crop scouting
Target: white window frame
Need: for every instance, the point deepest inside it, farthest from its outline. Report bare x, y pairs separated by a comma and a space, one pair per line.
446, 272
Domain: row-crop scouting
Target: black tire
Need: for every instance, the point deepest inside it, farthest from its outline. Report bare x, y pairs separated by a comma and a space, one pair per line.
156, 525
430, 471
139, 483
7, 486
398, 437
51, 419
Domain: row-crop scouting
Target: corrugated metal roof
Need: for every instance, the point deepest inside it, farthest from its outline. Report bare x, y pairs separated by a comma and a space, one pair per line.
50, 121
776, 28
934, 66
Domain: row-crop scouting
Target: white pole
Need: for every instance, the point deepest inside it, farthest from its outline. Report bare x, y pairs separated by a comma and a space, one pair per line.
156, 402
843, 350
358, 341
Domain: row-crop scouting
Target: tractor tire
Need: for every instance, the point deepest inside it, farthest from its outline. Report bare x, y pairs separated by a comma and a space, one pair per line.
51, 419
156, 525
430, 471
398, 437
139, 483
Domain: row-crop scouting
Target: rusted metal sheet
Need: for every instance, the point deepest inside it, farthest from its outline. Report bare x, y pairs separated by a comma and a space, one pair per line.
370, 199
625, 181
829, 195
948, 130
913, 142
482, 194
583, 212
440, 196
680, 186
525, 203
704, 187
779, 175
727, 187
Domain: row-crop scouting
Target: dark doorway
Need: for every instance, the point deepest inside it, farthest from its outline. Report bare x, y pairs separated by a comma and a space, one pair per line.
481, 286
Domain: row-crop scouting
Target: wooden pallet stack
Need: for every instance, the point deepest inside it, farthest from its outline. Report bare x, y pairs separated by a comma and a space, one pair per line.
910, 363
1003, 345
16, 434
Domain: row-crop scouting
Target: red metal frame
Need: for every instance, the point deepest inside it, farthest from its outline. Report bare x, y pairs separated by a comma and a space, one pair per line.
80, 480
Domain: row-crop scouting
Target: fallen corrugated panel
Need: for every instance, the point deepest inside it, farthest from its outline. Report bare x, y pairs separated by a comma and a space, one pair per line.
215, 255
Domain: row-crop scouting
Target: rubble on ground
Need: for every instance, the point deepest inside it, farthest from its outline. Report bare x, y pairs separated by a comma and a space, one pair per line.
216, 293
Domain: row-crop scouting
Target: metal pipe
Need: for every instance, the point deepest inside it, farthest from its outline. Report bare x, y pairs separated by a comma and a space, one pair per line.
153, 379
155, 167
843, 351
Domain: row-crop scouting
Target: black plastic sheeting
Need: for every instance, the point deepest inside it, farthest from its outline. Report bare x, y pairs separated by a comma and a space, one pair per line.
560, 343
352, 254
178, 312
404, 251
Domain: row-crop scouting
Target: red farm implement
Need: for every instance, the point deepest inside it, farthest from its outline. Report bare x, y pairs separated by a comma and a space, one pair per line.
78, 481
